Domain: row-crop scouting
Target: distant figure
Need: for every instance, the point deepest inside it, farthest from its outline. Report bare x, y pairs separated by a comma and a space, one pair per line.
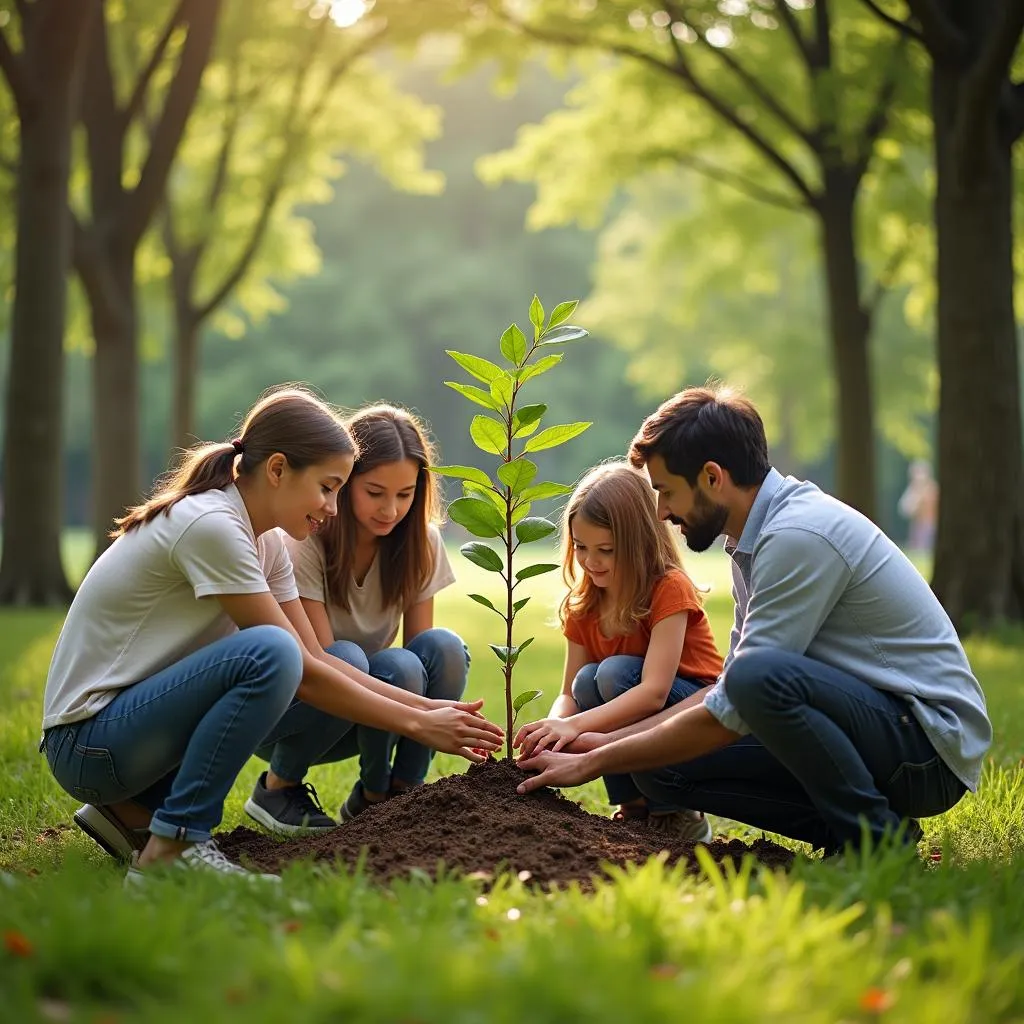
919, 503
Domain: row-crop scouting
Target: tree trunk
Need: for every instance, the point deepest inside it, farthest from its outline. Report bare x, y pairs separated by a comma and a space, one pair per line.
850, 331
31, 572
979, 555
186, 373
116, 434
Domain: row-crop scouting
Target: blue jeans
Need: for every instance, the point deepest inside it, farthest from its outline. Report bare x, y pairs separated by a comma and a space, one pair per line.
599, 682
435, 664
828, 756
175, 742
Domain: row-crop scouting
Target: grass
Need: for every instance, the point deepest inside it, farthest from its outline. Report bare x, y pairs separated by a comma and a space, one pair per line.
887, 938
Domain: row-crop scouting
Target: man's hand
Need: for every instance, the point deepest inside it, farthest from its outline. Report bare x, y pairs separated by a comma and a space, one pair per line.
553, 733
559, 769
459, 729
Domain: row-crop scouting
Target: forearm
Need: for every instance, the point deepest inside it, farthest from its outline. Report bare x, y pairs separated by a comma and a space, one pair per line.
564, 706
687, 735
393, 693
664, 715
633, 707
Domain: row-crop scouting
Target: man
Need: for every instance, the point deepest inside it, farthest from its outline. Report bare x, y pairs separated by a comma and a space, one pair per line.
846, 707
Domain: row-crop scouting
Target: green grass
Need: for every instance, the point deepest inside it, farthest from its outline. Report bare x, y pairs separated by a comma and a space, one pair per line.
942, 942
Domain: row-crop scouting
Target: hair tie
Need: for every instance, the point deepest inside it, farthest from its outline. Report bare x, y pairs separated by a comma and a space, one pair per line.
238, 445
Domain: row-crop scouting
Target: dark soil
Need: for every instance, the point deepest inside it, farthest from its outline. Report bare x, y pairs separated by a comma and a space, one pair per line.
478, 824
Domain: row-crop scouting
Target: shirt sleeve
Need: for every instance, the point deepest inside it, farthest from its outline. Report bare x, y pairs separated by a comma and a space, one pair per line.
444, 575
673, 593
572, 632
277, 567
216, 554
309, 567
796, 578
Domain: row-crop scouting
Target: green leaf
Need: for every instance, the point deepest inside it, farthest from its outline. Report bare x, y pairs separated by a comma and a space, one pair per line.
548, 489
536, 369
538, 569
478, 476
526, 420
517, 475
480, 554
480, 517
501, 390
501, 651
562, 312
561, 335
537, 313
489, 435
470, 488
513, 344
552, 436
520, 512
474, 394
524, 698
480, 368
534, 528
480, 599
519, 605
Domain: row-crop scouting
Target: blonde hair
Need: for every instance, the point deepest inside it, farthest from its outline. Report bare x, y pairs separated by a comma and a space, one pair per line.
289, 420
617, 498
386, 434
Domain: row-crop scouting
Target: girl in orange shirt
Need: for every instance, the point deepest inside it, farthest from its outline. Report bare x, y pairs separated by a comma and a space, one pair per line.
637, 638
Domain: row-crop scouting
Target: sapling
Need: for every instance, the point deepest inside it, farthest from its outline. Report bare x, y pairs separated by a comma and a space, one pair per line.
500, 508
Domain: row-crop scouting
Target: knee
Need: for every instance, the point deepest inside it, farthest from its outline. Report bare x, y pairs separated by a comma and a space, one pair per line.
350, 653
752, 676
446, 659
616, 675
584, 688
399, 667
280, 657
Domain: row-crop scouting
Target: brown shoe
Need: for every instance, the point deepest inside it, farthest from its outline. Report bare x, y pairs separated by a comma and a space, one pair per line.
103, 826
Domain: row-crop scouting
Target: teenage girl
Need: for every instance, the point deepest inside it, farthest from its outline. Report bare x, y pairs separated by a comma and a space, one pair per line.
186, 646
375, 569
637, 638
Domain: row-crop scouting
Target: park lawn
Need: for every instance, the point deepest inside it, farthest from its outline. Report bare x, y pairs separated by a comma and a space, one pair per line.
904, 941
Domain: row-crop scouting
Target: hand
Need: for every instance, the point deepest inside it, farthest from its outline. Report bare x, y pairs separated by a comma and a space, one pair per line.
459, 729
553, 733
559, 769
472, 706
587, 741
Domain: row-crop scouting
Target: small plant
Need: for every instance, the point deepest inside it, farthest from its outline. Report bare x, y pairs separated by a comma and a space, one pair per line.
501, 508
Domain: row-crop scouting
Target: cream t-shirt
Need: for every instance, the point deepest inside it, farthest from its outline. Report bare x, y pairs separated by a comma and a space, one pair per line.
148, 601
368, 624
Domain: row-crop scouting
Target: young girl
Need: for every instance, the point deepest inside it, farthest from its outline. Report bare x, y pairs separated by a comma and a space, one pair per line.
186, 647
377, 566
637, 637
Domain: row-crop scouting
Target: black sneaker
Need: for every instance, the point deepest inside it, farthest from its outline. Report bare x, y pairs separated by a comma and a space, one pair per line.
288, 812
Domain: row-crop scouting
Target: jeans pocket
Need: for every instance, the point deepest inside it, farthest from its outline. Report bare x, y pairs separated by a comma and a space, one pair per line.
88, 774
922, 790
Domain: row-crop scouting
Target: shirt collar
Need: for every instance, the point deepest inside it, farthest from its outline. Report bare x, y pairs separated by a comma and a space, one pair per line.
758, 513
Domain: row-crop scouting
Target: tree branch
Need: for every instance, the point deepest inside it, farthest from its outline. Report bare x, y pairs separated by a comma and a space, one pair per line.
13, 66
681, 70
822, 34
788, 18
939, 32
885, 280
878, 118
138, 95
986, 79
142, 201
905, 28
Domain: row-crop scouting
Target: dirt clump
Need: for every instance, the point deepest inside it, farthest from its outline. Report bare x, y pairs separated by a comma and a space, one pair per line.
477, 823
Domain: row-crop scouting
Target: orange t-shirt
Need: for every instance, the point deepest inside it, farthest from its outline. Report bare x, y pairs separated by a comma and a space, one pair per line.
673, 593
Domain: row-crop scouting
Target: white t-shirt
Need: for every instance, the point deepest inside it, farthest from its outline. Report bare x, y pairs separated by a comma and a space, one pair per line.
148, 601
368, 624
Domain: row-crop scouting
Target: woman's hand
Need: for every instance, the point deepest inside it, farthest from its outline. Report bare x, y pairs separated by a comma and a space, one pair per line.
548, 733
457, 727
559, 769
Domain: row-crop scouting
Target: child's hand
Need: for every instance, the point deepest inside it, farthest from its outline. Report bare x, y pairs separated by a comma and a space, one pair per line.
586, 741
547, 734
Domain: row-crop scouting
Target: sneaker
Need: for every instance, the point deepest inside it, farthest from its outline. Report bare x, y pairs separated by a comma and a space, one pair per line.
292, 811
357, 802
104, 827
198, 857
690, 826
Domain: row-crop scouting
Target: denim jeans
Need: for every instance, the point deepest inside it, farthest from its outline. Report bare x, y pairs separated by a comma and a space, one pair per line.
599, 682
435, 664
175, 742
828, 756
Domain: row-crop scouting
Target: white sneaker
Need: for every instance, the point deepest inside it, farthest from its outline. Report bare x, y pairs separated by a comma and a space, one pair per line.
198, 857
689, 825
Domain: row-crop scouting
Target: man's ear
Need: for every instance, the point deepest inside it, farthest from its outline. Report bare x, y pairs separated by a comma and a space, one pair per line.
274, 468
715, 476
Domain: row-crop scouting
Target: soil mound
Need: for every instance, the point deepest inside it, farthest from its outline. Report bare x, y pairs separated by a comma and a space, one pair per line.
476, 822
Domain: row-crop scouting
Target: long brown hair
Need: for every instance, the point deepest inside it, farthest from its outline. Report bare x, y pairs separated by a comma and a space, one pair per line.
617, 498
290, 420
386, 434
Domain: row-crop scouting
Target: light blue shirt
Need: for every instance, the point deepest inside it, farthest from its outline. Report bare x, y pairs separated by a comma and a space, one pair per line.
815, 577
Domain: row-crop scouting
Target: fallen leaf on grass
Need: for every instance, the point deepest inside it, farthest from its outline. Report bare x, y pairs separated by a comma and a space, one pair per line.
875, 1000
17, 944
290, 926
665, 972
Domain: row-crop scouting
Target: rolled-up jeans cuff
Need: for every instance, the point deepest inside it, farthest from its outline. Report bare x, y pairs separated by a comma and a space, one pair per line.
183, 833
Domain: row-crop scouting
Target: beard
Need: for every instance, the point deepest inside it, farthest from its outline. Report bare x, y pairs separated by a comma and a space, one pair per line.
705, 524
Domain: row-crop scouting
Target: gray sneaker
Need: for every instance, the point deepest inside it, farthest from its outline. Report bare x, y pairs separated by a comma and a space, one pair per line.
104, 827
691, 826
295, 810
205, 857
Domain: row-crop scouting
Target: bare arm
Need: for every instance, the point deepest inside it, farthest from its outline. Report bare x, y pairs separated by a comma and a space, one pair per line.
575, 658
418, 618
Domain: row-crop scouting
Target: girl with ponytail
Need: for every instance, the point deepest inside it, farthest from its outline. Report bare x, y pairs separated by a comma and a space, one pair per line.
187, 648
